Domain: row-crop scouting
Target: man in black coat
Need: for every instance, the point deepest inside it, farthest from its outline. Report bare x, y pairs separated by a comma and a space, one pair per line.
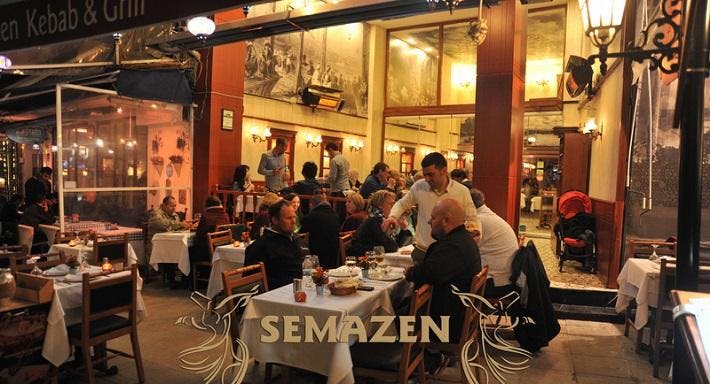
279, 248
39, 187
452, 259
322, 225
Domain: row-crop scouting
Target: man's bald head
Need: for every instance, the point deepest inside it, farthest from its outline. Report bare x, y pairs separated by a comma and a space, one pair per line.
446, 215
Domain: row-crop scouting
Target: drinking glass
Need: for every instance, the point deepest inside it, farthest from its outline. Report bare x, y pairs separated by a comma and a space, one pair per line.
379, 254
36, 270
197, 217
350, 262
654, 255
316, 262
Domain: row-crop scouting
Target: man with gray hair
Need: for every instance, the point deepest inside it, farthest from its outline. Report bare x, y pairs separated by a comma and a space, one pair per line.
498, 247
273, 166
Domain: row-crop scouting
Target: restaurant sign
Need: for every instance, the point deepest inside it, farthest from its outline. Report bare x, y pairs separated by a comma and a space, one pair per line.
27, 135
37, 22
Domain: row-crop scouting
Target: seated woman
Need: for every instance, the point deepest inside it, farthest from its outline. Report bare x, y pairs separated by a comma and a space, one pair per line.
296, 205
355, 206
242, 179
370, 233
213, 216
261, 219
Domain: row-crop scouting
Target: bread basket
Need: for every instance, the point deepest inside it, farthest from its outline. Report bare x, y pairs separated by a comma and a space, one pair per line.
341, 291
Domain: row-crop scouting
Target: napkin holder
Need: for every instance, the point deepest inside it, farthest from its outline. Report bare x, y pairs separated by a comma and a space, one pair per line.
33, 288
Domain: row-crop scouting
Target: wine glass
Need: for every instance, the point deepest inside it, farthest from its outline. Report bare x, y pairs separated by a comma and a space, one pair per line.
36, 270
379, 253
654, 255
350, 262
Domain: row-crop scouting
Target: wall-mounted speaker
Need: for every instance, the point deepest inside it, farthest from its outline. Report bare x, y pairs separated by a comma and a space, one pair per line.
580, 75
316, 96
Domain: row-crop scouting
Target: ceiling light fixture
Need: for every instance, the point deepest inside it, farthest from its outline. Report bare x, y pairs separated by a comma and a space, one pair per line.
451, 4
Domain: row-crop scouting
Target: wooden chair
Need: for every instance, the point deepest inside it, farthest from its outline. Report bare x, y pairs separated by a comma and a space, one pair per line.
67, 236
115, 250
643, 249
395, 361
9, 254
344, 243
235, 229
214, 240
235, 281
470, 329
25, 235
662, 321
102, 301
44, 261
547, 206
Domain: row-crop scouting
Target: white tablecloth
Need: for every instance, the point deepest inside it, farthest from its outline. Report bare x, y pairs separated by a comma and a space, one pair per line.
172, 248
225, 257
66, 310
74, 251
249, 204
535, 203
638, 280
397, 259
330, 359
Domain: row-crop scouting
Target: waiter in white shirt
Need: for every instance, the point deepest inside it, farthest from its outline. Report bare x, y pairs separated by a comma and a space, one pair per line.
436, 186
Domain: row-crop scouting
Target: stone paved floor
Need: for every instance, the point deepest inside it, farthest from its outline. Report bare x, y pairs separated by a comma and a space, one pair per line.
584, 352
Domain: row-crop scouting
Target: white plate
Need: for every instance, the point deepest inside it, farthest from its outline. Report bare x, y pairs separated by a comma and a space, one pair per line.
337, 273
387, 277
53, 273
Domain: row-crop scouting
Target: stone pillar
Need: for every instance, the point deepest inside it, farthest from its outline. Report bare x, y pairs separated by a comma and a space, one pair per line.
500, 103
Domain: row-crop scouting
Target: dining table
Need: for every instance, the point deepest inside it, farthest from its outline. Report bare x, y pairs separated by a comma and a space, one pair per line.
66, 310
224, 258
401, 258
135, 235
76, 250
639, 280
172, 248
331, 359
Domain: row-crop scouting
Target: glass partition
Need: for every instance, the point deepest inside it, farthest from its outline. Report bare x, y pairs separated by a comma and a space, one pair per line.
119, 157
458, 72
412, 69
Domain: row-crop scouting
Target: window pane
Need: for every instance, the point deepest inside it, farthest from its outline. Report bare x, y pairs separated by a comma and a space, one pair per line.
545, 52
458, 72
413, 67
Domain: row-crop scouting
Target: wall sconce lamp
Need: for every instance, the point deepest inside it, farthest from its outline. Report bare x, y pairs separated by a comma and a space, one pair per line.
451, 155
259, 138
356, 145
590, 129
201, 27
313, 142
531, 140
602, 20
391, 149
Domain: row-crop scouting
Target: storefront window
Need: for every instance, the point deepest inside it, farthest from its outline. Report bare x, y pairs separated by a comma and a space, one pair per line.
122, 156
458, 61
413, 67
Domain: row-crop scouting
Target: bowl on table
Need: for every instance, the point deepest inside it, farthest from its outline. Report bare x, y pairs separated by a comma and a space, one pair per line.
342, 290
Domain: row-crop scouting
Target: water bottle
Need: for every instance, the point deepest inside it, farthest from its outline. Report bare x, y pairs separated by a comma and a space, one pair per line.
307, 270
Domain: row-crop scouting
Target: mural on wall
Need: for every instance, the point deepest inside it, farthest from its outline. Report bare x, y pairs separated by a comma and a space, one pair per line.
281, 66
466, 131
545, 52
413, 67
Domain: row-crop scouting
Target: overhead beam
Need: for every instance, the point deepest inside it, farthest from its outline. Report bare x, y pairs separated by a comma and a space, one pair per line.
312, 17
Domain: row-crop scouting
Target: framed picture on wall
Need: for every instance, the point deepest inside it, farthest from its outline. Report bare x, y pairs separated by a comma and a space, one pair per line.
182, 196
227, 119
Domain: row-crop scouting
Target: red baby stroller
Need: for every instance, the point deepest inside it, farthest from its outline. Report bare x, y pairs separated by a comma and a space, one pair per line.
575, 230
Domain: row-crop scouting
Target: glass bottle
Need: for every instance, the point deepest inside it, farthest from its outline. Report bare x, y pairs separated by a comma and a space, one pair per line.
307, 271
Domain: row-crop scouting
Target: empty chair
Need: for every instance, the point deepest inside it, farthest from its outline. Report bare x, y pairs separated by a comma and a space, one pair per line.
25, 234
9, 255
102, 302
115, 250
42, 261
214, 240
395, 361
236, 229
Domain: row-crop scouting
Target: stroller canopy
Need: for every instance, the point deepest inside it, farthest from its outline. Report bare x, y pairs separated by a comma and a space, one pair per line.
574, 202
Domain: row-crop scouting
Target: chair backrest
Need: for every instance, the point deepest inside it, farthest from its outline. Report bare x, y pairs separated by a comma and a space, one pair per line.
470, 327
639, 248
108, 296
44, 261
240, 280
10, 254
216, 239
25, 235
115, 250
235, 229
344, 241
413, 352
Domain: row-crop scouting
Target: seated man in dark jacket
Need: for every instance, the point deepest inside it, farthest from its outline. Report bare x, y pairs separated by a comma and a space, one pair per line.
278, 248
322, 224
452, 259
35, 214
213, 216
